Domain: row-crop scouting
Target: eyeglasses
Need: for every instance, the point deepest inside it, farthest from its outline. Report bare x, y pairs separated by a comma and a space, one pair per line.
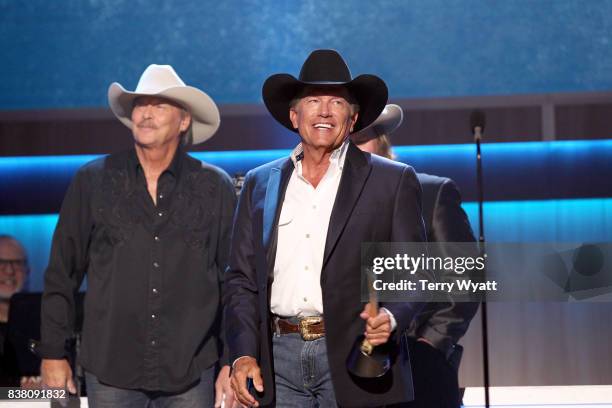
13, 263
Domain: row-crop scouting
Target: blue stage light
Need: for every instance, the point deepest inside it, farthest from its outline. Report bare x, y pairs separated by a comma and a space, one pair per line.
512, 171
422, 157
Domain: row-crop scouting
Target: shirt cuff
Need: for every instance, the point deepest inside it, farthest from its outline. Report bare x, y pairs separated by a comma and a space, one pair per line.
393, 321
236, 360
48, 350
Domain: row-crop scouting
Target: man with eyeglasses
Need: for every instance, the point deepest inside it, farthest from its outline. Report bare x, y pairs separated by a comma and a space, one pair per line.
13, 273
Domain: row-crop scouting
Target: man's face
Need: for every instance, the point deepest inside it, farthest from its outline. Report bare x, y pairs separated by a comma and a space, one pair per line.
158, 121
13, 268
323, 117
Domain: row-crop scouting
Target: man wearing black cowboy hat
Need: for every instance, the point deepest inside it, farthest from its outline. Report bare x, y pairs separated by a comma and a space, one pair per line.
292, 300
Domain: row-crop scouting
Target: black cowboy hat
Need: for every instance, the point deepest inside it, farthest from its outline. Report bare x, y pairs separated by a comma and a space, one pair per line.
325, 68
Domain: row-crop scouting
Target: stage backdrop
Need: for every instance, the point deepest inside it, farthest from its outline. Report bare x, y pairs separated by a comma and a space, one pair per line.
64, 54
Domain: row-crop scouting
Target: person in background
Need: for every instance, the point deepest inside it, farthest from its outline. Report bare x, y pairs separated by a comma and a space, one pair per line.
436, 330
14, 271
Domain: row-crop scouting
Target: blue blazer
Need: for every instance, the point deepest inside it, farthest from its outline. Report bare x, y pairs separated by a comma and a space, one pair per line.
378, 200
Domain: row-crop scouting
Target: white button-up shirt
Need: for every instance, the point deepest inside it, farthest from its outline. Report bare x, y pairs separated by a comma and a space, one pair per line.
302, 232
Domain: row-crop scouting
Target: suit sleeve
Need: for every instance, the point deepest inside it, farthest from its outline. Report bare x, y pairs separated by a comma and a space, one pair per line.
450, 320
408, 226
241, 308
67, 265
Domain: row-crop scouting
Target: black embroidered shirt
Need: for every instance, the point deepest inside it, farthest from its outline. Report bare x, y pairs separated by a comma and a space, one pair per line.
154, 271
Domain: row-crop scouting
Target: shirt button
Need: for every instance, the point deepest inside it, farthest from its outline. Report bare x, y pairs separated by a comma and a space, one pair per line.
305, 299
161, 196
314, 207
153, 342
154, 291
156, 238
307, 235
306, 268
155, 264
153, 316
161, 214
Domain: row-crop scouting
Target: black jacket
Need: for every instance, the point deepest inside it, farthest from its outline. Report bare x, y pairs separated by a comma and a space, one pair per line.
378, 200
443, 324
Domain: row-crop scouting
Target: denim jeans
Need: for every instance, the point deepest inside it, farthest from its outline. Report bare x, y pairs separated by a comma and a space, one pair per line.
301, 372
201, 395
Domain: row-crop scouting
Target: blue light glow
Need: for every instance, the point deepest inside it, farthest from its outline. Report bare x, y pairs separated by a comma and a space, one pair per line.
513, 171
545, 221
422, 157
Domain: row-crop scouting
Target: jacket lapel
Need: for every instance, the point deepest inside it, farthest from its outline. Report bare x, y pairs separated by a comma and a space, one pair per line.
356, 171
275, 192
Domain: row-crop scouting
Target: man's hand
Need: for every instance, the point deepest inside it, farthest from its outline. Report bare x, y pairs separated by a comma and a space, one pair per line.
224, 395
57, 374
378, 329
31, 383
244, 368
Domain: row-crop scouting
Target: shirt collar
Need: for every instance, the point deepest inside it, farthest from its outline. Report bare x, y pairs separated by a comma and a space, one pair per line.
173, 168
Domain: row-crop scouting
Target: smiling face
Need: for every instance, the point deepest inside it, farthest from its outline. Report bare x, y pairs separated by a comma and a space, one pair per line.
158, 121
13, 267
324, 117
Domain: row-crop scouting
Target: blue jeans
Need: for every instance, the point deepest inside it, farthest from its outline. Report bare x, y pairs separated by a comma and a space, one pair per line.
201, 395
301, 372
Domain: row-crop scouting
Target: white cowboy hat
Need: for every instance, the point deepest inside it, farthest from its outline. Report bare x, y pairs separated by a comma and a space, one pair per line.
386, 123
163, 81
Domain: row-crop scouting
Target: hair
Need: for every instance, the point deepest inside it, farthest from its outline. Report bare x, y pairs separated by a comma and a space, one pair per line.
186, 137
385, 148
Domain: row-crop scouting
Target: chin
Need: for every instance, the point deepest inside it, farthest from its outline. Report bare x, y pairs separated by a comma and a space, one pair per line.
326, 142
6, 294
145, 141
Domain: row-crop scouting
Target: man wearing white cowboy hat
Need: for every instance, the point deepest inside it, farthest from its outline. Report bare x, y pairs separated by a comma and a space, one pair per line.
436, 330
292, 300
150, 229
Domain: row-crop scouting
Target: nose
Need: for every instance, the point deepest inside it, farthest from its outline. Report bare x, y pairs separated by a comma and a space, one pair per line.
147, 112
324, 109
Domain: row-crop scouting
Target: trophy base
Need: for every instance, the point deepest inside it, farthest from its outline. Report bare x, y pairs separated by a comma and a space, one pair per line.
364, 365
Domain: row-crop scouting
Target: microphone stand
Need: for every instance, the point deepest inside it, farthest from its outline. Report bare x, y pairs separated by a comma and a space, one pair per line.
481, 242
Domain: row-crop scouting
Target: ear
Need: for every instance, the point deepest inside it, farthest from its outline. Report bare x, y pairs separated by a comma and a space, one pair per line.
293, 117
185, 121
353, 121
